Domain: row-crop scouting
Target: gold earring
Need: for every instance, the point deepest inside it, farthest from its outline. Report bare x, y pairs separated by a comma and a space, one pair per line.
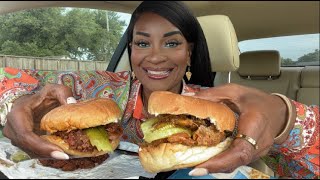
188, 74
133, 75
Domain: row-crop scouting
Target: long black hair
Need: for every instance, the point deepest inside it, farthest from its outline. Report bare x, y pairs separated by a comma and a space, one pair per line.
180, 16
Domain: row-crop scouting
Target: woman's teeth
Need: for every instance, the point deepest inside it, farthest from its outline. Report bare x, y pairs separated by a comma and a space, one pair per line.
158, 74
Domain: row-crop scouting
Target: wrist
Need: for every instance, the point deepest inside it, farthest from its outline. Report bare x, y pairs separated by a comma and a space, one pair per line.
289, 119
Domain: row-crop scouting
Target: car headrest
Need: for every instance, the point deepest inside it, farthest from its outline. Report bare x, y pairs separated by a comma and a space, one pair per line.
260, 63
222, 42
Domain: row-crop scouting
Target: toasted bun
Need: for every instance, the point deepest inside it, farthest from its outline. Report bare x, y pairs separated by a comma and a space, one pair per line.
81, 115
164, 102
172, 156
65, 147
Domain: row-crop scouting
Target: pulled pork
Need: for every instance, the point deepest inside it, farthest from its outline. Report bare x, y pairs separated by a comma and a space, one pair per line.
204, 133
79, 141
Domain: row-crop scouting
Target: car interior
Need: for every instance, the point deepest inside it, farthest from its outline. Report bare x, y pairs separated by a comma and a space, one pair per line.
260, 69
225, 24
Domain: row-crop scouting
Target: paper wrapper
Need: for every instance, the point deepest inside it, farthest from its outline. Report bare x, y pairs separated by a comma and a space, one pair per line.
242, 172
117, 166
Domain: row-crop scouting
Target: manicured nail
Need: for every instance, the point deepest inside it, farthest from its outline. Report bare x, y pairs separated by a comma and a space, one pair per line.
189, 94
59, 155
71, 100
199, 172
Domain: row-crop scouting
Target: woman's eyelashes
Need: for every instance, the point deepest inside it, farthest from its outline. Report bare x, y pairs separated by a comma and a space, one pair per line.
141, 44
172, 44
168, 44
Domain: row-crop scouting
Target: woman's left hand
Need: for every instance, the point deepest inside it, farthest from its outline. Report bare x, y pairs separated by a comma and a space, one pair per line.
261, 116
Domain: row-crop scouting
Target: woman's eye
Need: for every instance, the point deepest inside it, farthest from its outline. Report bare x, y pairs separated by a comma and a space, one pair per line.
173, 44
141, 44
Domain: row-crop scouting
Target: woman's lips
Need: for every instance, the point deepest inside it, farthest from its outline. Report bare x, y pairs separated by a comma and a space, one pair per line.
158, 74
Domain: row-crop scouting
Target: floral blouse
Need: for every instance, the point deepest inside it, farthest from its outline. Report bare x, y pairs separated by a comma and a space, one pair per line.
297, 157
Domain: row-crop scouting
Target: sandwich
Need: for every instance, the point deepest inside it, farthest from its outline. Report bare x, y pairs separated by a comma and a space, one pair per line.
84, 129
184, 132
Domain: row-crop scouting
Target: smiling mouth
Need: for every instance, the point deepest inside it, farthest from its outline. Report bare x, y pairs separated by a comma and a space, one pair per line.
158, 74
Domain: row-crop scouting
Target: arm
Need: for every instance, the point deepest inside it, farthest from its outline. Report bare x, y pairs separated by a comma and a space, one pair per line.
298, 155
21, 119
22, 126
261, 116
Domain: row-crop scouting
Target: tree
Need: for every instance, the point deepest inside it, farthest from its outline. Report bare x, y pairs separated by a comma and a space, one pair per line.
76, 33
31, 33
287, 62
310, 57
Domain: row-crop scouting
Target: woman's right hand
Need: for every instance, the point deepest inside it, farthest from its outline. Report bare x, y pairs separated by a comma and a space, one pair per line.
262, 116
23, 122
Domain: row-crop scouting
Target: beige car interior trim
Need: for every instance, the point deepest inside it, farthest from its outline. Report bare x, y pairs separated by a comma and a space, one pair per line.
222, 42
260, 63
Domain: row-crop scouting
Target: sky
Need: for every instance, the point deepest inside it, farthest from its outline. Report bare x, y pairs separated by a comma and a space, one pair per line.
125, 17
291, 47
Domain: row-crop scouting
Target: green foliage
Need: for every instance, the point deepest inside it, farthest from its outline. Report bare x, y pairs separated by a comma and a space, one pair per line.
310, 57
76, 33
314, 56
287, 62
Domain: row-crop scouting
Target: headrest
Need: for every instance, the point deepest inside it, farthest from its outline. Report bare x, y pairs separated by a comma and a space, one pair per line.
310, 77
222, 42
259, 63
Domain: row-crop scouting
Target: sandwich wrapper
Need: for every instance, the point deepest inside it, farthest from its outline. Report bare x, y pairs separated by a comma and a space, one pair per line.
119, 165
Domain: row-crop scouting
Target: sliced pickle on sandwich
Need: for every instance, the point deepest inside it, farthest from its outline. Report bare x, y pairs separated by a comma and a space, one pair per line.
166, 131
99, 138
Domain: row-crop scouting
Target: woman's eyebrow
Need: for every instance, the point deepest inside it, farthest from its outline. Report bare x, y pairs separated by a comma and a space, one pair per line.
172, 33
143, 34
165, 35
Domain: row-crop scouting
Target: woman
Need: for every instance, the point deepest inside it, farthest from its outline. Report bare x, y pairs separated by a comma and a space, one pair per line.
166, 44
164, 41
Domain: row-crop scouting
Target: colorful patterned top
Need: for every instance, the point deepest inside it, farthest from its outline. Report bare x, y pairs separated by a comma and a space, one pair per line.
297, 157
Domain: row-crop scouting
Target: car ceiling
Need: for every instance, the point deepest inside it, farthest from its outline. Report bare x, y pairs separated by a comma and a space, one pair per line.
251, 19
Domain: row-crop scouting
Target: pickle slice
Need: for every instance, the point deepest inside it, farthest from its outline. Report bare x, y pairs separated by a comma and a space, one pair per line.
163, 132
146, 126
98, 137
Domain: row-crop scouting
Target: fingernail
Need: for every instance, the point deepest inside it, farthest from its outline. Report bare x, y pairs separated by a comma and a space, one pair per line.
199, 172
59, 155
189, 94
71, 100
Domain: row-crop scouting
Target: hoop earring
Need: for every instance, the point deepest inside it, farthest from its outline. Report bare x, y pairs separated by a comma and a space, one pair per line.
133, 76
188, 74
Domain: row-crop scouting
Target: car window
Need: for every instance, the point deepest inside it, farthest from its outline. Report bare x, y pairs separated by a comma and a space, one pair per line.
298, 50
60, 38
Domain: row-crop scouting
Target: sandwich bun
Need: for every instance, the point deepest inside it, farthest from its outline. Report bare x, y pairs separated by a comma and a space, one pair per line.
165, 102
82, 115
171, 156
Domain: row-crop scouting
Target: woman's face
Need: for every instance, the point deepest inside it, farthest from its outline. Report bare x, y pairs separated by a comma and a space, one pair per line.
159, 53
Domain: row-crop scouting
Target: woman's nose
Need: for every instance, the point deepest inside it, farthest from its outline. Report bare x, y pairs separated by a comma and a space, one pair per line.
156, 56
